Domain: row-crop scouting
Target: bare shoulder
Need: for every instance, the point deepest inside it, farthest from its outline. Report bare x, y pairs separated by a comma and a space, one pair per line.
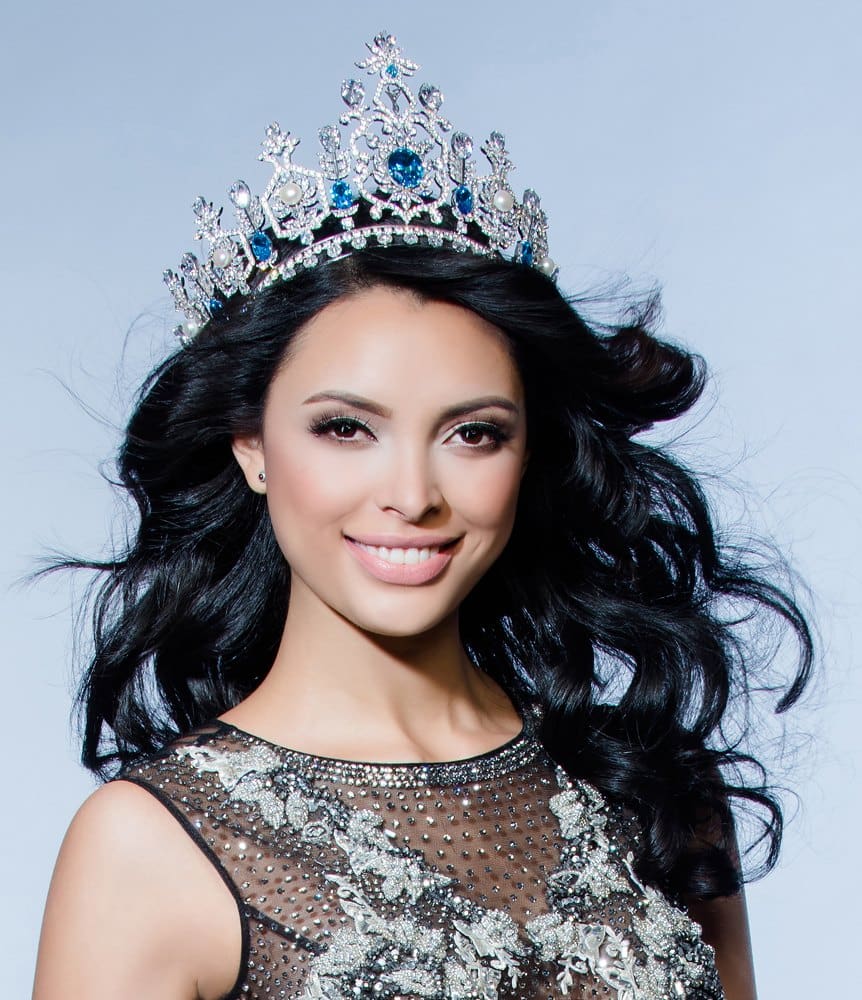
135, 908
724, 922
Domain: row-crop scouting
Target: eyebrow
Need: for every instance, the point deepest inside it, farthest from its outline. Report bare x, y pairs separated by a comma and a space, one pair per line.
458, 410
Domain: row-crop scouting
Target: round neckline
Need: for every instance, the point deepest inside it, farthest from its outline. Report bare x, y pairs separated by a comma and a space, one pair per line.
515, 752
522, 732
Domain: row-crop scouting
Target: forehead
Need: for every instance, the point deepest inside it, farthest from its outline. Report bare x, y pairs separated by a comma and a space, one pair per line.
390, 340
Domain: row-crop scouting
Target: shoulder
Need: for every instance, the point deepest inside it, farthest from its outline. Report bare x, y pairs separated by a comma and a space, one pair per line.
134, 908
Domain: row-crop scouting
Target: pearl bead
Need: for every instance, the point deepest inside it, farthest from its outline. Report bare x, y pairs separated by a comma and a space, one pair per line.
191, 327
547, 265
222, 256
290, 193
504, 201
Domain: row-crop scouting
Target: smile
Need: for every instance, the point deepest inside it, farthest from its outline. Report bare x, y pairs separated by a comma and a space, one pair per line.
403, 566
401, 556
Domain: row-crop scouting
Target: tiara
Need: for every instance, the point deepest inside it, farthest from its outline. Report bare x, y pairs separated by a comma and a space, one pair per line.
394, 159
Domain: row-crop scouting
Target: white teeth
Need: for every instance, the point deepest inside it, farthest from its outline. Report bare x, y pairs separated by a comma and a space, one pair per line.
401, 556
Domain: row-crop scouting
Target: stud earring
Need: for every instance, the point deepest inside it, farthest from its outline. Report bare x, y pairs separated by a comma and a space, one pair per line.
261, 476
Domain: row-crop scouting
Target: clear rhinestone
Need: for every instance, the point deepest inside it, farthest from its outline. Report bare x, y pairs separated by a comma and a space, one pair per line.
240, 194
430, 96
352, 93
496, 143
462, 144
531, 201
189, 265
330, 138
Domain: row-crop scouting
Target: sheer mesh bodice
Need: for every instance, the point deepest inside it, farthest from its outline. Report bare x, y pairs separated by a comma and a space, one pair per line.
492, 877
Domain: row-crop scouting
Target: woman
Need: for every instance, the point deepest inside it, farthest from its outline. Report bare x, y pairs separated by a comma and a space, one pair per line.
414, 678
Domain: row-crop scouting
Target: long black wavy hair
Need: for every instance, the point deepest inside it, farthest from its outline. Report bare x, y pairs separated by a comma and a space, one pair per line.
608, 604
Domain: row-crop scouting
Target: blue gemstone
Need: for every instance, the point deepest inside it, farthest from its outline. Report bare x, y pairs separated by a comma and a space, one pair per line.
392, 70
462, 196
216, 306
406, 167
261, 246
525, 252
341, 194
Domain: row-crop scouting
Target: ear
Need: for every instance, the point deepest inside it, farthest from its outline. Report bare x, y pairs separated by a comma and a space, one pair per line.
248, 451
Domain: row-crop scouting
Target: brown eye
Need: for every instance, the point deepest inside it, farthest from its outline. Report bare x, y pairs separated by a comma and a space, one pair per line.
338, 427
496, 434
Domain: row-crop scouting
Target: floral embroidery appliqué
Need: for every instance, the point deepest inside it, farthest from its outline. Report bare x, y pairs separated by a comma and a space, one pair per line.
411, 934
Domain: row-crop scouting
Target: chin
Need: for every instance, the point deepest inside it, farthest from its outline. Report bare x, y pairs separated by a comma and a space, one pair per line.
398, 622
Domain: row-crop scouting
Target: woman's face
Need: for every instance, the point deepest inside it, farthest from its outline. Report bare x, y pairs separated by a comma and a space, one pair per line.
361, 442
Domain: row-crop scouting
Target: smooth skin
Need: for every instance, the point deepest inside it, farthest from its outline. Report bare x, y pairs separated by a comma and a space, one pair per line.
366, 670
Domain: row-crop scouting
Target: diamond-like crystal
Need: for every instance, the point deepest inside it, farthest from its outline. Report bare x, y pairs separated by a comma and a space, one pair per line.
352, 93
341, 194
392, 70
430, 96
330, 138
496, 142
240, 194
189, 265
524, 253
462, 145
531, 201
406, 167
261, 246
462, 198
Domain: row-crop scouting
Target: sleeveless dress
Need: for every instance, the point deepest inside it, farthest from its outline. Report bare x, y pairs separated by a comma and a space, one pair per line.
496, 877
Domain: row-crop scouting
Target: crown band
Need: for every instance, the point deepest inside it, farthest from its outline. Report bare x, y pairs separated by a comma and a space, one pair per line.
396, 163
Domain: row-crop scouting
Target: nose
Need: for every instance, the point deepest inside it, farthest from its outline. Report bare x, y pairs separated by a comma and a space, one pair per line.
410, 482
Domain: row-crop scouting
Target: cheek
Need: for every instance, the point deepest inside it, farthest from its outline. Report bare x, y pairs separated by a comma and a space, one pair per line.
486, 493
307, 490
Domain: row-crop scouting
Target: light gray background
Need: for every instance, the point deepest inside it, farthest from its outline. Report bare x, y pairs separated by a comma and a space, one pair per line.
714, 148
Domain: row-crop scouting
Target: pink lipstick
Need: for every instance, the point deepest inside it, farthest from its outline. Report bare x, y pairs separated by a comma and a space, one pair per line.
402, 573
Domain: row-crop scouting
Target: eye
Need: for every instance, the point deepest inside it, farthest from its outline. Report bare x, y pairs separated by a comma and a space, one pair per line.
497, 434
343, 426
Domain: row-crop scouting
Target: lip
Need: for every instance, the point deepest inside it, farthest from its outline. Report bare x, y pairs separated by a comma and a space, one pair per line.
402, 573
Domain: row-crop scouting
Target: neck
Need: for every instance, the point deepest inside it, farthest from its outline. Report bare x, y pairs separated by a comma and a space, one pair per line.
337, 690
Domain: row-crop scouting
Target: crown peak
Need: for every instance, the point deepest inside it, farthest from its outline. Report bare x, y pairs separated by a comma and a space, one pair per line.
415, 185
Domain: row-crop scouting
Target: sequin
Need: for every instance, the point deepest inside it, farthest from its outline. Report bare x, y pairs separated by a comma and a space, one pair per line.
494, 878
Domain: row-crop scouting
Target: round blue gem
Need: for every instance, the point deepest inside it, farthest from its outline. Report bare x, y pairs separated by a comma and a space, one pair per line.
406, 167
216, 307
526, 252
392, 70
261, 246
341, 194
462, 196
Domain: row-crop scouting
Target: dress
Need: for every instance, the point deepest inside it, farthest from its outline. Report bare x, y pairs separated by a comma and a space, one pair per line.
496, 877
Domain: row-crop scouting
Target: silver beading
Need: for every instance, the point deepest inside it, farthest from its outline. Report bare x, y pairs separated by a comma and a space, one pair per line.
396, 160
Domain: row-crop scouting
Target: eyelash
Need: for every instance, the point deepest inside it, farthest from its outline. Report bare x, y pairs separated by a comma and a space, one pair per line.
327, 421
